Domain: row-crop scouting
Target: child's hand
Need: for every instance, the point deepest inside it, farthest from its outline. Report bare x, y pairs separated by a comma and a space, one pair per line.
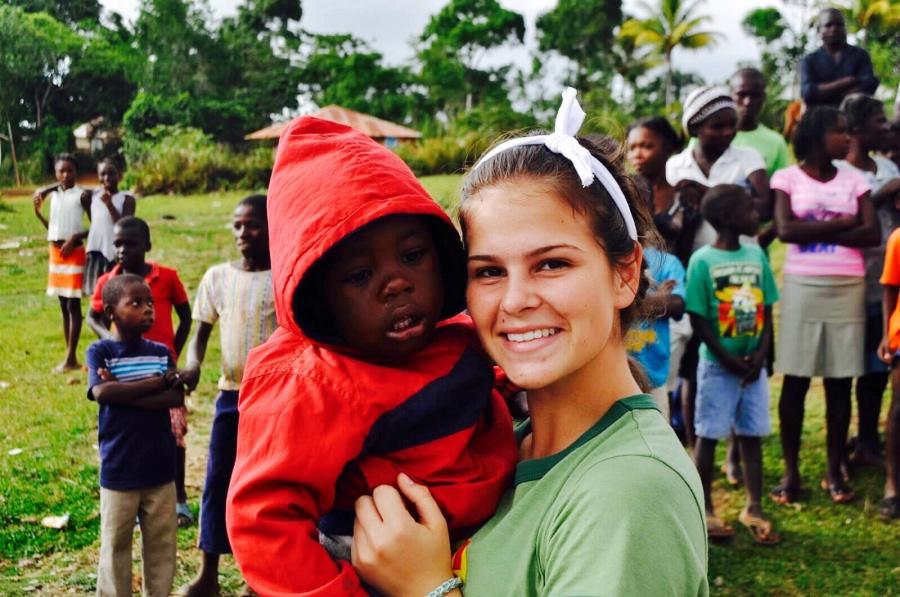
755, 368
190, 377
737, 365
66, 249
105, 375
173, 378
884, 351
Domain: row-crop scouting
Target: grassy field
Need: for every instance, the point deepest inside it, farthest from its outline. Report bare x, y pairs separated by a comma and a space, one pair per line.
826, 549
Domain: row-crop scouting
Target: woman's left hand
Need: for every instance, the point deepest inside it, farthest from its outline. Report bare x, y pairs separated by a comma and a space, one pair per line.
391, 550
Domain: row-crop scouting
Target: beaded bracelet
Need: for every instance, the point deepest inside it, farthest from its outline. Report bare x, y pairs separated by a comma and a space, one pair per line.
454, 582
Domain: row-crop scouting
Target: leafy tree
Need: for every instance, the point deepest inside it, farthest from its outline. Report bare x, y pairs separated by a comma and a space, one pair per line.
781, 48
872, 19
670, 24
72, 12
453, 44
583, 31
341, 69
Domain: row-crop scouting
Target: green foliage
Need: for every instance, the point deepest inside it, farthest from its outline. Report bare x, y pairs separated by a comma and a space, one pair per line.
172, 159
449, 154
452, 45
583, 32
373, 88
73, 12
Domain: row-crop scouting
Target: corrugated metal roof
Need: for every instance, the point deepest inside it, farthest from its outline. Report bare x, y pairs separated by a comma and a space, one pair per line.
364, 123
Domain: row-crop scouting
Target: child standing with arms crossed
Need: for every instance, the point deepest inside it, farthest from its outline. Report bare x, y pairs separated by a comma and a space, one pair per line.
238, 295
66, 235
134, 382
730, 293
825, 216
104, 207
131, 238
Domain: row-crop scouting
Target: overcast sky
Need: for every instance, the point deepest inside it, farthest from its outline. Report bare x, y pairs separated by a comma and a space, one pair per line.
389, 25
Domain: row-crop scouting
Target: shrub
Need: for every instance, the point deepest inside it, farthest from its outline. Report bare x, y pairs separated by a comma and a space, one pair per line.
443, 155
186, 160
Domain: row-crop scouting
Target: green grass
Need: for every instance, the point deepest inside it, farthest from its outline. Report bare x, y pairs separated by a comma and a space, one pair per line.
826, 550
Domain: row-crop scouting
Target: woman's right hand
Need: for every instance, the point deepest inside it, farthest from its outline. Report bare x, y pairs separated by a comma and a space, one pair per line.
391, 550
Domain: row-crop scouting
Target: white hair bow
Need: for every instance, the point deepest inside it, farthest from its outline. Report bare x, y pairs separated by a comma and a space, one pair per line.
563, 142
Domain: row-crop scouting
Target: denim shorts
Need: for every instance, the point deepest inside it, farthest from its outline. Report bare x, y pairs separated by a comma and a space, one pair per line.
723, 404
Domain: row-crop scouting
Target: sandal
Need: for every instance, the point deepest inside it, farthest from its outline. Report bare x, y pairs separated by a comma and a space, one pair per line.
889, 508
760, 529
185, 517
717, 529
784, 494
839, 493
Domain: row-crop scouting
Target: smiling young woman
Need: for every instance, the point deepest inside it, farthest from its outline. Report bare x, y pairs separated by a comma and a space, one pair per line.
553, 231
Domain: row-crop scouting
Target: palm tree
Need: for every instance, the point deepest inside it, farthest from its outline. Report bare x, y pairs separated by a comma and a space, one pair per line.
671, 24
868, 17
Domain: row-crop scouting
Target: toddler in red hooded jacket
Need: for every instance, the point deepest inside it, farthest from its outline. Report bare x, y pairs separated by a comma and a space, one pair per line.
372, 371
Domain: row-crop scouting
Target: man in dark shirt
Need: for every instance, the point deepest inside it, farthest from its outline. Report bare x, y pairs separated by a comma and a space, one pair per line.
837, 68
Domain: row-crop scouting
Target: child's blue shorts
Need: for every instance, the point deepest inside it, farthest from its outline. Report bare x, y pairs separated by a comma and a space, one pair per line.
723, 404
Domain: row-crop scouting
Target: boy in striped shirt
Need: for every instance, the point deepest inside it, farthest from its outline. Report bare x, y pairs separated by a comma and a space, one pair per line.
134, 382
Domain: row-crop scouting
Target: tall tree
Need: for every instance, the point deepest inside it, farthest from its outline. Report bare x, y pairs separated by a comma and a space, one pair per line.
872, 19
583, 31
668, 25
72, 12
453, 44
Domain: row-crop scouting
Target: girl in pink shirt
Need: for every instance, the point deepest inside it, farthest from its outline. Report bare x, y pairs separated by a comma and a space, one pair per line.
825, 217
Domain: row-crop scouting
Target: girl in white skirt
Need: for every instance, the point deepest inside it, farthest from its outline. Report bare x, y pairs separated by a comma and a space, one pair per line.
825, 216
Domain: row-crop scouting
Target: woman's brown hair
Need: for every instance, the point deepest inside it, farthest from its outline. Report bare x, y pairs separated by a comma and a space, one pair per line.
537, 162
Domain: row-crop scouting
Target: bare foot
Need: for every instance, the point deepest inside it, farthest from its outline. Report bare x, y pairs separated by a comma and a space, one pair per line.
67, 366
202, 586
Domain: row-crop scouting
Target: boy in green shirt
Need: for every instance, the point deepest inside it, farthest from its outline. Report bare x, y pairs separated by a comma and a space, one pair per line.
730, 292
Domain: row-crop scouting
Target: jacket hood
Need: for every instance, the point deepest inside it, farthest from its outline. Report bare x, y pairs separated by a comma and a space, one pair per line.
328, 181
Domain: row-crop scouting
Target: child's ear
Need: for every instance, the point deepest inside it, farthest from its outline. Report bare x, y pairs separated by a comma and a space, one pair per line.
149, 246
627, 278
109, 312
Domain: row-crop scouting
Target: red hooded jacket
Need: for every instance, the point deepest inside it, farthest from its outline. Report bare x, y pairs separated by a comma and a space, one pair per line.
319, 426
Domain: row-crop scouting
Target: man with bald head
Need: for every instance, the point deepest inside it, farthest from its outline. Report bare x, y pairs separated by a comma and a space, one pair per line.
836, 69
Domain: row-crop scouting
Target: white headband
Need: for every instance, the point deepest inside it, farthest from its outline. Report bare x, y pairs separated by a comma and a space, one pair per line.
562, 141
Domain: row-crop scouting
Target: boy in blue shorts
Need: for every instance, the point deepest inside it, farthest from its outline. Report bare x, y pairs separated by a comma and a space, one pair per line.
135, 383
730, 292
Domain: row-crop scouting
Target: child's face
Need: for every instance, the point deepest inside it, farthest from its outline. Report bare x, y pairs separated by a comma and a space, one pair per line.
130, 247
109, 177
647, 152
745, 219
837, 140
716, 133
542, 291
251, 232
134, 311
65, 173
384, 287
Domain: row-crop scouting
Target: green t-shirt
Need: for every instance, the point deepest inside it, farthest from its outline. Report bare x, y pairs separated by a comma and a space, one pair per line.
731, 290
619, 512
767, 143
770, 145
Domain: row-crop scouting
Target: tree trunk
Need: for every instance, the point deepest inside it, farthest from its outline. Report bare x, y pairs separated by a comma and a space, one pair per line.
668, 79
12, 146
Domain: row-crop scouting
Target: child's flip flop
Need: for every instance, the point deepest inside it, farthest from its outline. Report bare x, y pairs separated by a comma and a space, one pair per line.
760, 529
839, 494
717, 529
185, 517
784, 495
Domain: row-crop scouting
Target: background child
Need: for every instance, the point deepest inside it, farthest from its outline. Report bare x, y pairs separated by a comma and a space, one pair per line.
131, 238
889, 350
648, 340
104, 207
66, 235
134, 382
369, 373
239, 295
867, 126
730, 293
826, 217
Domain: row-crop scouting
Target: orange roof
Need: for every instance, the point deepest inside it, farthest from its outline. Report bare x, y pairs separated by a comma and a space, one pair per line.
370, 125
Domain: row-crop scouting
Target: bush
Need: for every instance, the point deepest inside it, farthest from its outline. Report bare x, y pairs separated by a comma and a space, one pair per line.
443, 155
186, 160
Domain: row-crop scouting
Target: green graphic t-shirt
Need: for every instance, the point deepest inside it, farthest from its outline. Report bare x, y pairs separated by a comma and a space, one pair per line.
731, 290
